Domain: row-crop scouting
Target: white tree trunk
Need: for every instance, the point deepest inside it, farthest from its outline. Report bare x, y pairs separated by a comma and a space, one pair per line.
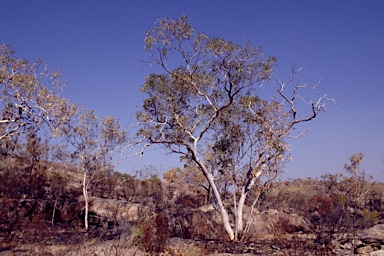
223, 211
240, 207
85, 194
240, 210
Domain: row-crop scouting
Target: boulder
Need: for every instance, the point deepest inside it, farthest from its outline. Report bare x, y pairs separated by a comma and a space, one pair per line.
373, 234
133, 213
276, 222
364, 250
115, 210
206, 223
179, 244
377, 253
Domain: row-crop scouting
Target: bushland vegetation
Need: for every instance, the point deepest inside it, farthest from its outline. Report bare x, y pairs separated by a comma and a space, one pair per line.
59, 190
43, 205
211, 109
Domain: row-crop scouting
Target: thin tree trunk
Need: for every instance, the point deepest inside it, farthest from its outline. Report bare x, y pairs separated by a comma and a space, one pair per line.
54, 211
235, 211
249, 222
85, 194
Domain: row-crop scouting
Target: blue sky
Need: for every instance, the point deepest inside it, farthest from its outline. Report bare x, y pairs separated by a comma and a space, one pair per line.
99, 48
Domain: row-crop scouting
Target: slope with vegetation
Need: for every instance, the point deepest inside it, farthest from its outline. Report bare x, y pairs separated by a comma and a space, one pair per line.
60, 193
44, 208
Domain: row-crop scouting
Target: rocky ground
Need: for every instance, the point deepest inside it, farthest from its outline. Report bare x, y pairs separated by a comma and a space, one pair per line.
268, 237
301, 217
370, 242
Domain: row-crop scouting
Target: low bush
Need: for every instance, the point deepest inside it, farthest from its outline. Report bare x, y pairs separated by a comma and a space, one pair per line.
152, 233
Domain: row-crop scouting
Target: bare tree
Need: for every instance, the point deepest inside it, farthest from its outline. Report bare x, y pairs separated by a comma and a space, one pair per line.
208, 107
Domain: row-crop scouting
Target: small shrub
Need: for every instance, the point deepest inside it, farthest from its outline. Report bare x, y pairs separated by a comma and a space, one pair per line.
152, 233
370, 218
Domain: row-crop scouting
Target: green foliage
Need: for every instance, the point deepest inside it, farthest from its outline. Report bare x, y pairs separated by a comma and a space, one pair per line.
206, 106
354, 163
370, 218
172, 175
94, 142
187, 97
30, 96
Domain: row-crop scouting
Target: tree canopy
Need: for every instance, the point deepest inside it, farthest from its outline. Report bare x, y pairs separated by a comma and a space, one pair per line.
30, 95
209, 105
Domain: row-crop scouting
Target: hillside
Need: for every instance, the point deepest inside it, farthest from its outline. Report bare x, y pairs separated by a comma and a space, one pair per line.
42, 214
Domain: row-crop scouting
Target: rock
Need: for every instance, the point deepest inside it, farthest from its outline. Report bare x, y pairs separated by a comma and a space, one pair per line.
133, 213
377, 253
206, 208
347, 246
364, 250
179, 243
276, 222
336, 244
115, 210
376, 233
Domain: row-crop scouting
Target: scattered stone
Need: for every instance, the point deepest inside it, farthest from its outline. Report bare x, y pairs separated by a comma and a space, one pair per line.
347, 246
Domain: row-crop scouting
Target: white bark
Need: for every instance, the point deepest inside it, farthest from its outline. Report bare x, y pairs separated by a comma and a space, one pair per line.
240, 207
85, 194
223, 211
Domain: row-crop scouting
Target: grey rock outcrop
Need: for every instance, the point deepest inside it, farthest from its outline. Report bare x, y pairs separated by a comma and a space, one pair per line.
277, 222
374, 234
372, 241
116, 210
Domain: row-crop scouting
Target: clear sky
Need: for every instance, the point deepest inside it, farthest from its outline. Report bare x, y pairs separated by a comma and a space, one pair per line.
98, 46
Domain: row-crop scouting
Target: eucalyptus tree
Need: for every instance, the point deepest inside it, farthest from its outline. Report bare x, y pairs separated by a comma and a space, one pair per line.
94, 142
30, 95
209, 103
